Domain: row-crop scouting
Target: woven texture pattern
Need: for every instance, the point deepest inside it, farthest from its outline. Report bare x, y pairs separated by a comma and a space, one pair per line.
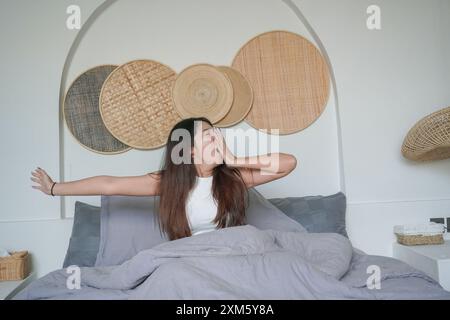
203, 90
136, 104
242, 98
290, 81
414, 240
14, 267
82, 115
429, 139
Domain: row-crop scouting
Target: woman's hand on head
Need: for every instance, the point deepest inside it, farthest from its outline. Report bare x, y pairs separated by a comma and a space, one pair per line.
42, 179
221, 146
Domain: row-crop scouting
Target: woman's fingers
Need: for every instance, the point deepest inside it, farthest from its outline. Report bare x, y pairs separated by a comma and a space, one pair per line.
35, 180
40, 173
36, 177
40, 177
36, 174
216, 139
217, 132
220, 138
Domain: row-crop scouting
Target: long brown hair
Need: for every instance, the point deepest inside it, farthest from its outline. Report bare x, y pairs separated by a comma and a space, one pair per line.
228, 189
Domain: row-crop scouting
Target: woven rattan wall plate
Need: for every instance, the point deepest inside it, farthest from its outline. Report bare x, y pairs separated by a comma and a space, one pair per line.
136, 104
290, 81
203, 90
82, 115
429, 138
243, 98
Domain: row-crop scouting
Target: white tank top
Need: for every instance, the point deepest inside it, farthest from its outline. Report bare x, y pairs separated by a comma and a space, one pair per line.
201, 208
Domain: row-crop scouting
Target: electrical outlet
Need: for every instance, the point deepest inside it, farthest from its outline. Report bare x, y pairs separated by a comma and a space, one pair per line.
438, 220
443, 221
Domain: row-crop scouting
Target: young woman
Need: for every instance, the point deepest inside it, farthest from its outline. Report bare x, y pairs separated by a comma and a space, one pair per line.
201, 186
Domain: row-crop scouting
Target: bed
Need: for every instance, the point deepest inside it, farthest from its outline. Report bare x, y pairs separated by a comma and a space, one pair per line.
289, 248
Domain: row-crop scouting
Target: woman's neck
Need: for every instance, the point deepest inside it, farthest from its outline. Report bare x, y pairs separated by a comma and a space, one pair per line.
204, 172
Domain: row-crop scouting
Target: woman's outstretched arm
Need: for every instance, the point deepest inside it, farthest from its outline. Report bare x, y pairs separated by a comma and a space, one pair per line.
144, 185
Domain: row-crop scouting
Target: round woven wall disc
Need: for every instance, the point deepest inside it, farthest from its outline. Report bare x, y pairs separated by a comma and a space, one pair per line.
243, 98
289, 78
136, 104
82, 114
429, 138
202, 90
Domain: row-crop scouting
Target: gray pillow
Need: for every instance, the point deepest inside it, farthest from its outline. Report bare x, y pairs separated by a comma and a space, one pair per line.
129, 224
262, 214
85, 237
318, 214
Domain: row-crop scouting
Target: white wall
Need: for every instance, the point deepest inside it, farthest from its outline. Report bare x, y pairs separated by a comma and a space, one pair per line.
386, 81
34, 46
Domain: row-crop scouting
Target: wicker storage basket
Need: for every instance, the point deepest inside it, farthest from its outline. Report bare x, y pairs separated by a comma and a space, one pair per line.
14, 267
418, 239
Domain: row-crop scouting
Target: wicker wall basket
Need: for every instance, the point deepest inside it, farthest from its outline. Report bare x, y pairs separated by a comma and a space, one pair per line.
242, 98
429, 139
203, 90
413, 240
14, 267
290, 81
82, 115
136, 103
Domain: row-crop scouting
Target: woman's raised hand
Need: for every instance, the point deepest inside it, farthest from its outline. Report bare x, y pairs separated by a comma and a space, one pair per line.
43, 179
221, 146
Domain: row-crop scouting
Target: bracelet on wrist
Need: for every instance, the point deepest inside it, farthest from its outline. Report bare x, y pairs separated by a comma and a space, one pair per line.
51, 190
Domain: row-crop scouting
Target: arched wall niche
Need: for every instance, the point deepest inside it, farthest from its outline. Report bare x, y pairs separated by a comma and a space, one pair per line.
101, 9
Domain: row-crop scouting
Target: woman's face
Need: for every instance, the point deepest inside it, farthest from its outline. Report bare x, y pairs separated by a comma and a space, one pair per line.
204, 145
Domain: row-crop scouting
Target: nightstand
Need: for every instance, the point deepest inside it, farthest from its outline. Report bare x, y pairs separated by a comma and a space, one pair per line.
9, 289
434, 260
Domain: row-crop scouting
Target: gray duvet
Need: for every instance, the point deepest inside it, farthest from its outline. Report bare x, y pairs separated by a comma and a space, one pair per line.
244, 262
